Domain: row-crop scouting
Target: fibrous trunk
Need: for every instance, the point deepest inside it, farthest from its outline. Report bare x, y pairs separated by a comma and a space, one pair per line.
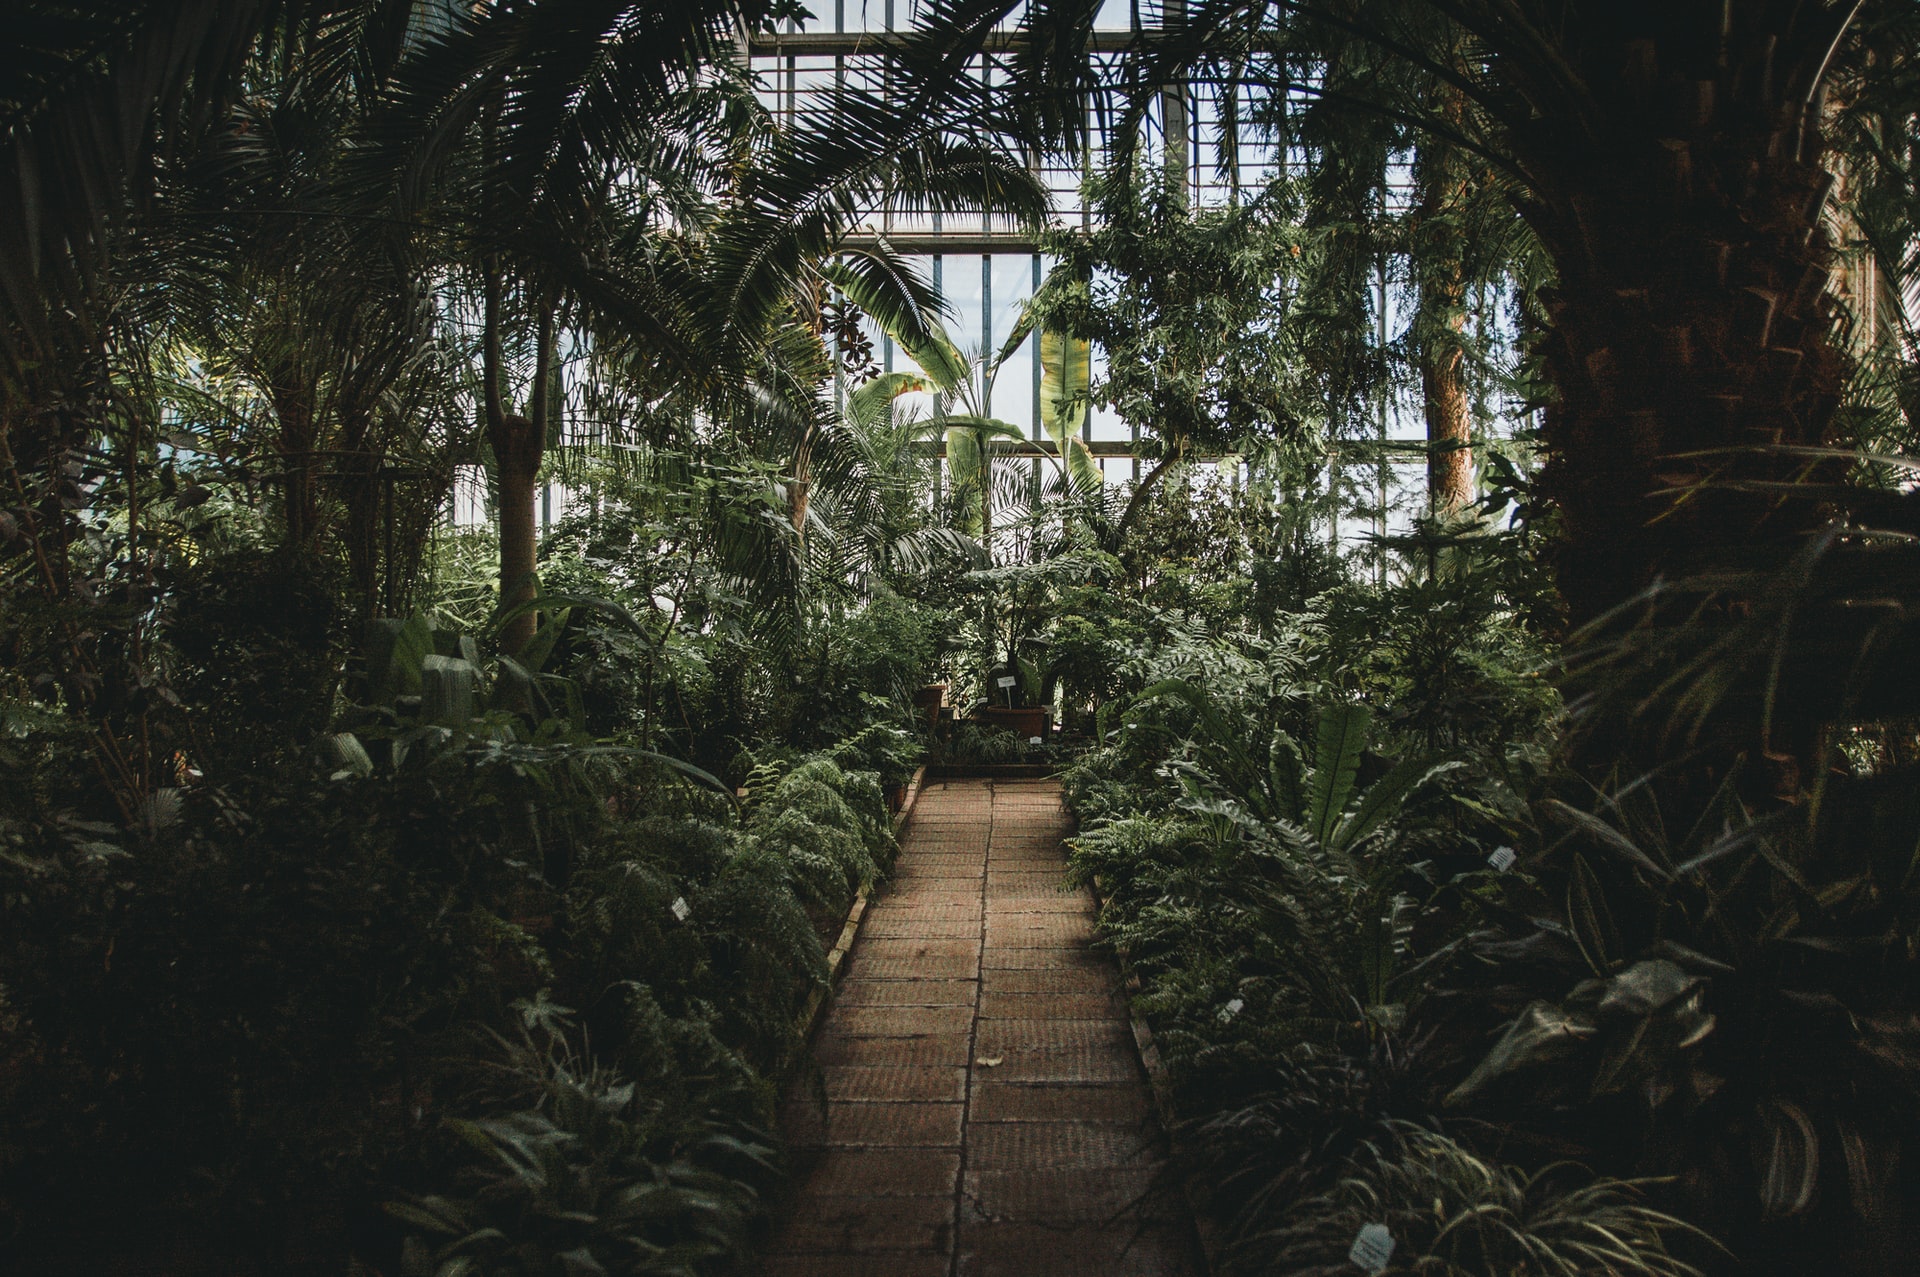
1691, 329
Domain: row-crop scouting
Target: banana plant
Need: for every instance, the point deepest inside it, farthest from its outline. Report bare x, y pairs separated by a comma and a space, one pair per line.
963, 389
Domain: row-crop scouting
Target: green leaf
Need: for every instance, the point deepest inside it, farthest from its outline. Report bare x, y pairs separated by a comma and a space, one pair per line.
1592, 921
449, 690
868, 401
347, 756
1343, 733
1066, 375
1607, 836
1646, 987
1793, 1160
1541, 1033
1382, 799
1022, 329
395, 650
535, 653
1284, 767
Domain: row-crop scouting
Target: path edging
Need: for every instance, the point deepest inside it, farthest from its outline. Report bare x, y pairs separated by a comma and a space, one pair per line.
1161, 1086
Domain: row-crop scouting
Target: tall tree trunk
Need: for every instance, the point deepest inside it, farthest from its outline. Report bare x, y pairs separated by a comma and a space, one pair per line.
1449, 428
986, 499
293, 411
1692, 315
1691, 336
518, 445
802, 485
1440, 269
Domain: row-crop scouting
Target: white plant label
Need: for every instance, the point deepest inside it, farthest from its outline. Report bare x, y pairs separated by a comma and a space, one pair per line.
1232, 1009
1372, 1249
1502, 859
1006, 680
681, 909
1035, 740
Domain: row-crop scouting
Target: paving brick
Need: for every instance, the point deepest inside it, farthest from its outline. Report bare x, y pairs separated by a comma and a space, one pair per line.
861, 1225
905, 993
953, 873
1030, 1250
1070, 902
1104, 1054
908, 925
930, 967
919, 898
1012, 1146
885, 1172
1087, 977
901, 1021
1039, 958
894, 946
1001, 1099
1087, 1195
925, 1082
1039, 930
896, 1124
961, 862
1051, 1006
948, 1049
944, 880
888, 1265
1100, 1065
1002, 883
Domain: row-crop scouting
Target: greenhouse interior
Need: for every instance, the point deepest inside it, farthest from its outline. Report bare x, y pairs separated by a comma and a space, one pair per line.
960, 638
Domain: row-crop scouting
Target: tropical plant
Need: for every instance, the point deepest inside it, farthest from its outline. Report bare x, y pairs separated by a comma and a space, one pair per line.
598, 1175
1445, 1211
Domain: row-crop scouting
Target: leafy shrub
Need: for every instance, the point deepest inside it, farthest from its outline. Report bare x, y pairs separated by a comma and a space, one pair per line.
597, 1175
1454, 1214
831, 826
985, 743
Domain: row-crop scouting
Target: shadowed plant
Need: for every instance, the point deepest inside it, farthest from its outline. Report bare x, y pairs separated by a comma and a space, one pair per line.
1452, 1213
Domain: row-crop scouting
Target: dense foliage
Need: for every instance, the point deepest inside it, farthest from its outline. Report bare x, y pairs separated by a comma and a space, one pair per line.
1527, 868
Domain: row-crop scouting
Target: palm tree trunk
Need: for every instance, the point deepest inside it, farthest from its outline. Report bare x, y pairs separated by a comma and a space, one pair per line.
1440, 269
1449, 430
1691, 317
518, 445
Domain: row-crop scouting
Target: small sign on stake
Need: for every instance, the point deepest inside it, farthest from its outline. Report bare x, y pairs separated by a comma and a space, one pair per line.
1502, 859
681, 909
1005, 680
1232, 1009
1035, 740
1372, 1249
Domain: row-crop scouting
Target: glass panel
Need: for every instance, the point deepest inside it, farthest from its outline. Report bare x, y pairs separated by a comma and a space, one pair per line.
1013, 388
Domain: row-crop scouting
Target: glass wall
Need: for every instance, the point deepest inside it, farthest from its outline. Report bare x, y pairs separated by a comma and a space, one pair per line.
1227, 139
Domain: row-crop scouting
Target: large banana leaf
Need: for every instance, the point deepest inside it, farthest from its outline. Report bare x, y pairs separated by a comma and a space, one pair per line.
449, 691
1066, 373
870, 400
893, 295
927, 344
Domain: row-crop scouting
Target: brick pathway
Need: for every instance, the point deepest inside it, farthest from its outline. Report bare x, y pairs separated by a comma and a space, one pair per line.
986, 1111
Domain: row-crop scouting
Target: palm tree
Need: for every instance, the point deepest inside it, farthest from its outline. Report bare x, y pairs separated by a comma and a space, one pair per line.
572, 132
